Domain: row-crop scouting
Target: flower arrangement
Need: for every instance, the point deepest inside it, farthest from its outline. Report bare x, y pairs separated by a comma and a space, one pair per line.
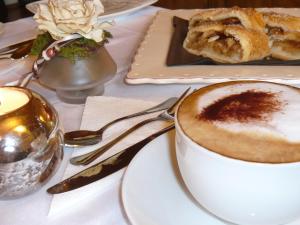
61, 18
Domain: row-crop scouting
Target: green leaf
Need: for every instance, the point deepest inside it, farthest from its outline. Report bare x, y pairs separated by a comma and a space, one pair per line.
40, 43
80, 48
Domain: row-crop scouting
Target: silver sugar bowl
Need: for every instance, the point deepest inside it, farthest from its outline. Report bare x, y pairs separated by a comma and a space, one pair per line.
31, 143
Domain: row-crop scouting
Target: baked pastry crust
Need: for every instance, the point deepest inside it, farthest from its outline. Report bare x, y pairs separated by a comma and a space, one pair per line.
283, 21
246, 17
251, 146
286, 46
284, 35
237, 44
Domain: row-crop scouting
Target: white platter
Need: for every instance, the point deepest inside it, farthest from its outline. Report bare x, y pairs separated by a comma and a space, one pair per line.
153, 192
149, 62
112, 8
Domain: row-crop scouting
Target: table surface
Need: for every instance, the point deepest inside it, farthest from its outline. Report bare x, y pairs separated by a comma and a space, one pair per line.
130, 29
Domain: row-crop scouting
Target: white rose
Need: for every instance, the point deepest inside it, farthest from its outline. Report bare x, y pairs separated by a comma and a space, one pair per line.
64, 17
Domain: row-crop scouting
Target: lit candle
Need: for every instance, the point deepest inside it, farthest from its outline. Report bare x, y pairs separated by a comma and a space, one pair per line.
11, 99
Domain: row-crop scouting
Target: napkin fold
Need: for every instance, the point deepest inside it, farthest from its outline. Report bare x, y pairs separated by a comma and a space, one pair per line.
12, 70
105, 192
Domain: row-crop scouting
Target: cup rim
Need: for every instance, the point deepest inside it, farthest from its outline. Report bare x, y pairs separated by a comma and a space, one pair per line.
219, 156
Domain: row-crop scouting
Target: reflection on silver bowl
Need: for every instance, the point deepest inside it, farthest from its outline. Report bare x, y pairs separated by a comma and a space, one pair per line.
74, 81
31, 146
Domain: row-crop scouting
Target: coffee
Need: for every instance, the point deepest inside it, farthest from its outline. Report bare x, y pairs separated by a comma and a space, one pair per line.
247, 120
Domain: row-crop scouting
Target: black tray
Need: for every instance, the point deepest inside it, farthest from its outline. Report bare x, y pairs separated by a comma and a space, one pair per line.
177, 55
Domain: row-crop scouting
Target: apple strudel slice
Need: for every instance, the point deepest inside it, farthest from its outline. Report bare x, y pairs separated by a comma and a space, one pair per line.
284, 35
246, 17
227, 43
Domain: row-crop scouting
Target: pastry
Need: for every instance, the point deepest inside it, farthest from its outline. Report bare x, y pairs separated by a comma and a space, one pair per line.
227, 43
284, 34
248, 18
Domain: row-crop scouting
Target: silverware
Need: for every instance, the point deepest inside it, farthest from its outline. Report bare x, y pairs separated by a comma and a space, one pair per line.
104, 168
10, 48
167, 115
88, 137
16, 51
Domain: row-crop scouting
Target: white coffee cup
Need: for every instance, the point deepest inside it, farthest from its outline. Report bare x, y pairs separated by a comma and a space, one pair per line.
241, 192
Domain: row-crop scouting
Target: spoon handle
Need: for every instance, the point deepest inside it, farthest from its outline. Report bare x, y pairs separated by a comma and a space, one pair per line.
87, 158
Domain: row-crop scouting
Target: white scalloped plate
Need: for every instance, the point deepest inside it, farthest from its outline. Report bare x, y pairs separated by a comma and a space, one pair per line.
113, 8
149, 62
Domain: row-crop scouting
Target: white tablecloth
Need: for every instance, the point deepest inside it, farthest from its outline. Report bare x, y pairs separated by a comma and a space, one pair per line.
33, 209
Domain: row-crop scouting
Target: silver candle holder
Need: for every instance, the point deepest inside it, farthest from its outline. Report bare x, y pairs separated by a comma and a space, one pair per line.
31, 143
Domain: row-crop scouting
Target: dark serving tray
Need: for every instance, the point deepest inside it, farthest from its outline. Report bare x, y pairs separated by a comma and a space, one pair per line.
177, 55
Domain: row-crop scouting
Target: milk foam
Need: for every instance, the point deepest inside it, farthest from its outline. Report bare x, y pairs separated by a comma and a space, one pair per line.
284, 123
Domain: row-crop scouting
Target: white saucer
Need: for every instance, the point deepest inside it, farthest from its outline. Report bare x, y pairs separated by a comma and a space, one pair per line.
153, 192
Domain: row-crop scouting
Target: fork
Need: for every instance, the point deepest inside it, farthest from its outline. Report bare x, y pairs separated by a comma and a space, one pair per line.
167, 115
79, 138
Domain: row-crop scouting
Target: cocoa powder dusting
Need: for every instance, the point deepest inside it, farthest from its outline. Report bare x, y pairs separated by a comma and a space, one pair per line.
244, 107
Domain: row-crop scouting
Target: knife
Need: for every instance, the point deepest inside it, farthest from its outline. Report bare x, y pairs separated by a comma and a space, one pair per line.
105, 167
10, 48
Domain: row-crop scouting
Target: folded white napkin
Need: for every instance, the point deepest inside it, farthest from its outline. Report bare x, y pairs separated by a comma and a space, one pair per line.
24, 29
100, 201
12, 70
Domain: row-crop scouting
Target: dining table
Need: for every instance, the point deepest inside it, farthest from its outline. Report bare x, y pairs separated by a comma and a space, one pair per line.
105, 208
101, 202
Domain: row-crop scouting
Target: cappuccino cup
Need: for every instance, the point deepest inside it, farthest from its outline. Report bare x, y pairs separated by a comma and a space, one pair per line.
238, 151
